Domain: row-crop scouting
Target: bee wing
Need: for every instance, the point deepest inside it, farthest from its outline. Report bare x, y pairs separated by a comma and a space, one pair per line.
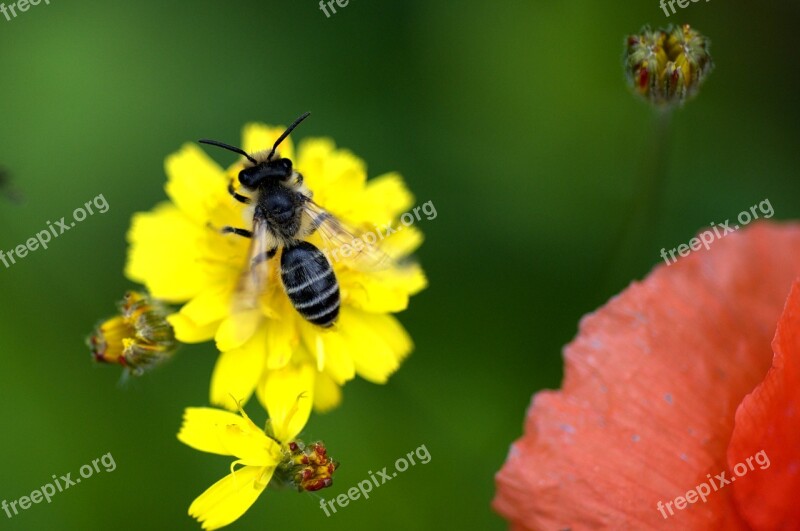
361, 253
253, 281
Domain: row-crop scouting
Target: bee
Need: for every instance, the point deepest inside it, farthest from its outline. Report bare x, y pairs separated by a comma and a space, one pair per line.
284, 215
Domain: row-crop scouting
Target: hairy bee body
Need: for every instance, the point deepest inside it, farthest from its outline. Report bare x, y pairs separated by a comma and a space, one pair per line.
280, 208
310, 283
308, 278
283, 216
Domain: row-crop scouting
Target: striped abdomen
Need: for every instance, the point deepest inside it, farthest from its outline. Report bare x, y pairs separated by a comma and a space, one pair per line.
310, 283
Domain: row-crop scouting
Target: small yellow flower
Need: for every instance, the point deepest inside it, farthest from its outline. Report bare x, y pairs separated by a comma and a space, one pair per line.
667, 67
178, 252
269, 455
138, 338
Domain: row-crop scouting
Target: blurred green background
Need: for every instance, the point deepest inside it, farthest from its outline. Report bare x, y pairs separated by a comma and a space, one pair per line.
513, 118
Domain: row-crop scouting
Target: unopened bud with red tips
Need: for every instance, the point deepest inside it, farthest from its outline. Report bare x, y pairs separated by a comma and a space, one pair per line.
306, 468
138, 338
667, 67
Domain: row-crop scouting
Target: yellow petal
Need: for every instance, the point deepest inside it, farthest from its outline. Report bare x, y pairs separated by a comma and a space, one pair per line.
186, 331
327, 393
238, 371
195, 183
384, 199
382, 291
209, 306
392, 332
220, 432
335, 175
377, 343
331, 350
229, 498
164, 254
237, 329
288, 395
402, 242
282, 341
251, 448
312, 156
205, 428
258, 137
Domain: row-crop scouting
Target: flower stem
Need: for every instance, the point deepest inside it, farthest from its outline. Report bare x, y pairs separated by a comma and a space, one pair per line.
631, 248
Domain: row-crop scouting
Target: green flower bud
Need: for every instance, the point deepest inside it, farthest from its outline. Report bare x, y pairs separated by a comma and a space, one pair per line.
667, 67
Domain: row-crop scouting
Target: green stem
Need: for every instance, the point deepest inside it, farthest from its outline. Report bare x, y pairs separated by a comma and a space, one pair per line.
633, 241
658, 169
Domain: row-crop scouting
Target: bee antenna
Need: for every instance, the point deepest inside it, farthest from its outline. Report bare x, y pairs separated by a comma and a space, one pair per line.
240, 151
287, 132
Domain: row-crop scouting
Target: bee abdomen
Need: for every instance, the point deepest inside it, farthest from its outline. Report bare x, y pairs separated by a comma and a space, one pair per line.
310, 283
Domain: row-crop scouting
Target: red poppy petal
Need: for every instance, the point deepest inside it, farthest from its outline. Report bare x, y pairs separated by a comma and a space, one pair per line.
765, 447
650, 389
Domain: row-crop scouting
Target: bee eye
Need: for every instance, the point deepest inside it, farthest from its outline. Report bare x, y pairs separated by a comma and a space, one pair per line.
249, 177
286, 167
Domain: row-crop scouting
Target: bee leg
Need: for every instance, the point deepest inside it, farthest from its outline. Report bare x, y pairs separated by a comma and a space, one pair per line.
237, 196
239, 232
263, 257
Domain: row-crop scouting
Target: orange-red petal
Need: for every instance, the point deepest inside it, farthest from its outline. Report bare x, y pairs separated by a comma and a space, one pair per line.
765, 447
651, 386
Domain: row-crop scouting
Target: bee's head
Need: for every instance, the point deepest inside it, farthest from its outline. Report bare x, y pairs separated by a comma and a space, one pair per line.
270, 170
266, 165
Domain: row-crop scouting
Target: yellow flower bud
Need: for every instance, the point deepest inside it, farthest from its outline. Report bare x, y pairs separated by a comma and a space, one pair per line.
138, 338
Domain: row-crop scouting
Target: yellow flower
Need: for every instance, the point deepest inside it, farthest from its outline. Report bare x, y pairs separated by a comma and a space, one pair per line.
269, 455
178, 252
138, 338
